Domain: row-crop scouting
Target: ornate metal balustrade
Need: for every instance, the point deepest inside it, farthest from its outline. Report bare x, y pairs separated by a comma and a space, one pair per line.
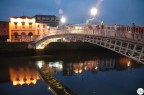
130, 44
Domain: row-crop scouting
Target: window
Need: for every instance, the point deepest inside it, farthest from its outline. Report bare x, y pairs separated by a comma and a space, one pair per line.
15, 35
4, 25
30, 25
23, 25
4, 32
38, 26
38, 18
52, 18
23, 36
30, 36
15, 24
43, 26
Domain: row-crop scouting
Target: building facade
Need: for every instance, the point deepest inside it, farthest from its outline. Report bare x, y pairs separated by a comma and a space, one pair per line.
50, 20
41, 29
22, 29
4, 30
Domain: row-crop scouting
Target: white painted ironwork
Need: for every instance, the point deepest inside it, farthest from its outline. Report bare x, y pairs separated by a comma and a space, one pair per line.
120, 39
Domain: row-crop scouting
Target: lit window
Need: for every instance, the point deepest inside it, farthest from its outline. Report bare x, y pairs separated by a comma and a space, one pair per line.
38, 26
15, 24
30, 25
23, 25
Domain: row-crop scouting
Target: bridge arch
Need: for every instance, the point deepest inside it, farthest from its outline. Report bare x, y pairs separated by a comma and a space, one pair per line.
127, 48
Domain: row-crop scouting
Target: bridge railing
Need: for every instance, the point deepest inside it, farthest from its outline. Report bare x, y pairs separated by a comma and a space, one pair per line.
119, 32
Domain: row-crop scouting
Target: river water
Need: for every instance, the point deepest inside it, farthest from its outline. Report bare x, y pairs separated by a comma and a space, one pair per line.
86, 73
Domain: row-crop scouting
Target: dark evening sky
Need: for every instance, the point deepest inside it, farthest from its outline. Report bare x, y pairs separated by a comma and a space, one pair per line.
77, 11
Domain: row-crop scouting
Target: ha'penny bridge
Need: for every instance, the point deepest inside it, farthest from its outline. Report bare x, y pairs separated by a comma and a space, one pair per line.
125, 40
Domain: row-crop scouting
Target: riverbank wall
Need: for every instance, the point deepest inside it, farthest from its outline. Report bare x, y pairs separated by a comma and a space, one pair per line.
15, 49
67, 47
21, 48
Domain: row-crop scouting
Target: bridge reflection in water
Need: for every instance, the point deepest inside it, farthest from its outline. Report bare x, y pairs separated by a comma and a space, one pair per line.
55, 86
75, 65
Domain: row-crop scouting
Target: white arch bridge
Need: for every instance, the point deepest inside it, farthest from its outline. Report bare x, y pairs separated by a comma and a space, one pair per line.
125, 42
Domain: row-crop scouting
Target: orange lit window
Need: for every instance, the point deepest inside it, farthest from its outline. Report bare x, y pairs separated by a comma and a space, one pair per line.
30, 25
23, 25
15, 23
38, 26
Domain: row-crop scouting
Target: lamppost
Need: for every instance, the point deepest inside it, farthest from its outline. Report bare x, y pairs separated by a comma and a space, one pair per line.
63, 20
93, 12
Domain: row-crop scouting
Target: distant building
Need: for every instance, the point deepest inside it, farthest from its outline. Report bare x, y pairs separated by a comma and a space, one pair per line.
4, 30
50, 20
41, 29
22, 29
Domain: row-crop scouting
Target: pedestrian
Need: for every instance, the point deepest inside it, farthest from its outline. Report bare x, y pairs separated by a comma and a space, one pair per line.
102, 27
115, 27
115, 30
133, 30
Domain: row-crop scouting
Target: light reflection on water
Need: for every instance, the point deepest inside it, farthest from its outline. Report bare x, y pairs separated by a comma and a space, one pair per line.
19, 76
23, 75
84, 74
98, 75
93, 65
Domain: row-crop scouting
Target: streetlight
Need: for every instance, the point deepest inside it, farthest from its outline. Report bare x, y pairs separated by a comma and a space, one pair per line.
93, 12
63, 20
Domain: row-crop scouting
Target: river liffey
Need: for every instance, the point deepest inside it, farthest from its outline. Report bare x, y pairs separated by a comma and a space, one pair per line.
90, 73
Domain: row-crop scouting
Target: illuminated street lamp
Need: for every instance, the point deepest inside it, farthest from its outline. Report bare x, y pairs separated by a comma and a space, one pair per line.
63, 20
93, 12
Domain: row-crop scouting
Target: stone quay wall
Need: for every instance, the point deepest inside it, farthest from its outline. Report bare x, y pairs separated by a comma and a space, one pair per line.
15, 49
21, 48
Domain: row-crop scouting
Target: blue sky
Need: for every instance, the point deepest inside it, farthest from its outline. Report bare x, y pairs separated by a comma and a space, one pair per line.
77, 11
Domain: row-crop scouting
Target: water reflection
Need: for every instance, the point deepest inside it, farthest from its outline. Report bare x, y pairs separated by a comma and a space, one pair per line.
19, 73
55, 86
57, 71
23, 75
83, 74
19, 76
93, 64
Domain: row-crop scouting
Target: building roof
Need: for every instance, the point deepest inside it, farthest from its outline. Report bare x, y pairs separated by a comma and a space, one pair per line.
44, 16
23, 17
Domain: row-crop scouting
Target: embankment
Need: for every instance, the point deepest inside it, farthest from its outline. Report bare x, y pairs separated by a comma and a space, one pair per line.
15, 49
21, 48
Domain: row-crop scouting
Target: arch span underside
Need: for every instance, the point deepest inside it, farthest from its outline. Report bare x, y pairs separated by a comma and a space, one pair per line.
127, 48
